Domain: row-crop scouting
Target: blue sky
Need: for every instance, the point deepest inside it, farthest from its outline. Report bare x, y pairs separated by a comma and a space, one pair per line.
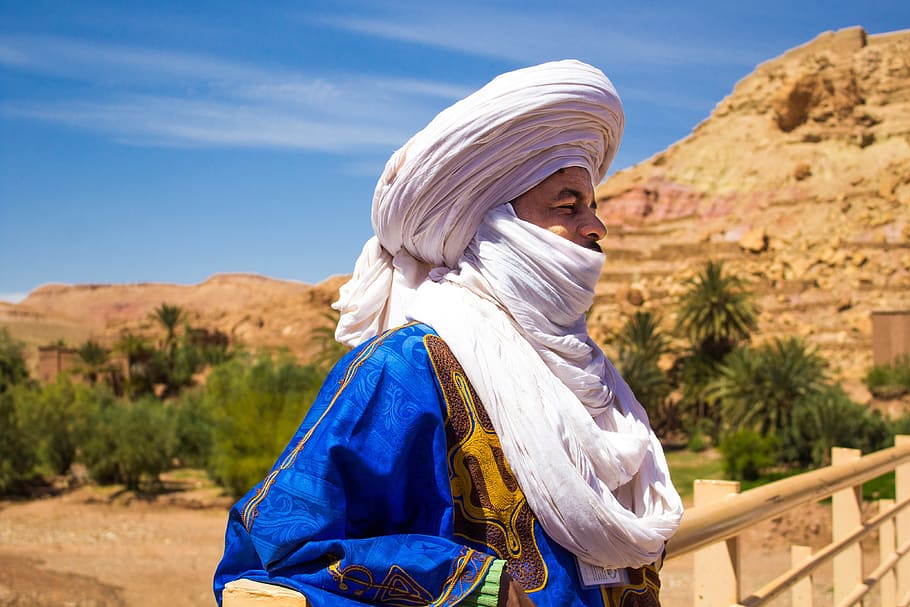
169, 141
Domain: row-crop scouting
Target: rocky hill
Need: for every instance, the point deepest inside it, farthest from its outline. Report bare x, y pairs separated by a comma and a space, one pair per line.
799, 180
259, 312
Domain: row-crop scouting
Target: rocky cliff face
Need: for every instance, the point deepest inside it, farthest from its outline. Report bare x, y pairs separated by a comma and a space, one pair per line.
799, 180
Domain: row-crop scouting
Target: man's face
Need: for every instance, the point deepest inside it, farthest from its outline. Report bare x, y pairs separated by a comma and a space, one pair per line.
563, 203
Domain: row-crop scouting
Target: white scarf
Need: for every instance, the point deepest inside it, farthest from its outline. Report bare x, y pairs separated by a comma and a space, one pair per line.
576, 438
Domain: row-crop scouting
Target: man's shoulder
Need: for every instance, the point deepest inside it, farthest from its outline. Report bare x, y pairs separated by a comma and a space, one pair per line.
403, 339
399, 348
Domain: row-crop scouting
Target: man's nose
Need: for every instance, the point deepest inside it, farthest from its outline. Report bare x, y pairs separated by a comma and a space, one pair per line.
593, 227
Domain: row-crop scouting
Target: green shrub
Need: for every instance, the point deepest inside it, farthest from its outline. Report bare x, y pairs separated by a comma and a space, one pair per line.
18, 454
194, 429
746, 453
699, 433
830, 419
694, 372
890, 380
698, 442
57, 418
13, 370
131, 442
760, 387
256, 407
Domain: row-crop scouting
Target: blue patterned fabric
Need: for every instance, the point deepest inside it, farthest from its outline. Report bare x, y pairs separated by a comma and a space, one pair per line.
394, 491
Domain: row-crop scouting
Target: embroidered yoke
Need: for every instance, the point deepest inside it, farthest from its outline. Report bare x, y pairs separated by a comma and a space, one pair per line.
395, 491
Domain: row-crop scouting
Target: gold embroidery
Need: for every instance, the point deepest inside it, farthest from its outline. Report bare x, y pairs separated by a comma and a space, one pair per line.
397, 588
490, 508
643, 590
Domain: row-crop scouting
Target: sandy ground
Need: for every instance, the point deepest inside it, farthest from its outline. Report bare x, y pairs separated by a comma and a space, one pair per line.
87, 550
95, 548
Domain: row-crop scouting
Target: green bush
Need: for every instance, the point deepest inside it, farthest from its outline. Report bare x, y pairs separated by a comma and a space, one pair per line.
890, 380
18, 455
759, 387
694, 372
57, 419
131, 442
13, 370
746, 453
830, 419
194, 429
699, 433
256, 407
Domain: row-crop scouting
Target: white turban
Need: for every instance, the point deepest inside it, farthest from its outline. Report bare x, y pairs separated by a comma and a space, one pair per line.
448, 251
484, 150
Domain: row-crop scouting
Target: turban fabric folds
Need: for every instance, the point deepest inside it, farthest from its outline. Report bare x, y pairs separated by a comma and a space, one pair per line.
481, 152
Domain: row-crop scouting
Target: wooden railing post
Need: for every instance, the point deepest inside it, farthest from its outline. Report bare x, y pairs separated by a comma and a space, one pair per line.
717, 567
886, 548
902, 523
846, 511
247, 593
801, 593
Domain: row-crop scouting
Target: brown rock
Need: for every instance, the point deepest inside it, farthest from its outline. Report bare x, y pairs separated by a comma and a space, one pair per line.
887, 184
802, 171
755, 240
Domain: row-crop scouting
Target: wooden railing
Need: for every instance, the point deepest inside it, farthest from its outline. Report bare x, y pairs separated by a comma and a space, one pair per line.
711, 530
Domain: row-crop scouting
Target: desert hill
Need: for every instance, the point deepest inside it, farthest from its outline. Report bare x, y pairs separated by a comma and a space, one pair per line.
799, 180
259, 312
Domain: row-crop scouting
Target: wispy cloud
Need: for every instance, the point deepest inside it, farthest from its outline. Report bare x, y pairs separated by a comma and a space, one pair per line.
163, 121
168, 98
94, 61
521, 33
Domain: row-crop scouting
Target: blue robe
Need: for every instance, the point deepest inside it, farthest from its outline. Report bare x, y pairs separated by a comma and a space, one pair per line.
395, 491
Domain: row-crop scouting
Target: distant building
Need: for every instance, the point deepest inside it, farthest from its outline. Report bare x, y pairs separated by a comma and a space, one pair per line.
54, 360
890, 335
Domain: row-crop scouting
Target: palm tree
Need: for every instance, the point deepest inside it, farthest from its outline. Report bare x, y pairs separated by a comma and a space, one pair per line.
94, 360
641, 336
717, 312
640, 346
139, 355
169, 317
759, 388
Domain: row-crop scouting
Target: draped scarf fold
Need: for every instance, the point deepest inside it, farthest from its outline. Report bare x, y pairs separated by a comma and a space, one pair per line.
576, 438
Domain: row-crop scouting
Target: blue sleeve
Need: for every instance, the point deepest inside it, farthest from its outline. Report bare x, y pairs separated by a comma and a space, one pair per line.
357, 510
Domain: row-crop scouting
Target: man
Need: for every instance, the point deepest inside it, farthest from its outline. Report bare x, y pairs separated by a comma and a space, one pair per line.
476, 447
